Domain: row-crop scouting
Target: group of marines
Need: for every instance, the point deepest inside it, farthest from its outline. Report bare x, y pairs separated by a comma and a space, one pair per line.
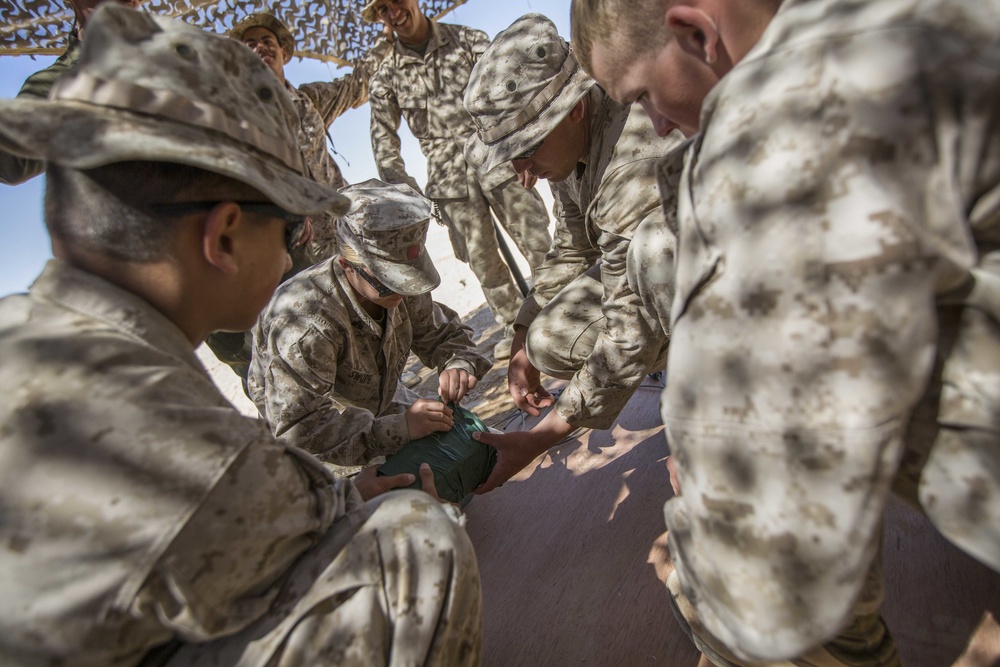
791, 205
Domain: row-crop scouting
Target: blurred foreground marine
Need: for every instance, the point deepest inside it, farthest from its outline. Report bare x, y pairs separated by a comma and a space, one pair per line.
836, 325
15, 169
423, 80
331, 346
537, 109
144, 520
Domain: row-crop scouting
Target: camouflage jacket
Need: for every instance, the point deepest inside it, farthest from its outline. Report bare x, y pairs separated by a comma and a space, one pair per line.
324, 372
427, 91
837, 311
138, 505
319, 104
15, 169
597, 210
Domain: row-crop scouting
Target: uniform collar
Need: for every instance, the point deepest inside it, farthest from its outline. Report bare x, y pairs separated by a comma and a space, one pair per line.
90, 295
438, 38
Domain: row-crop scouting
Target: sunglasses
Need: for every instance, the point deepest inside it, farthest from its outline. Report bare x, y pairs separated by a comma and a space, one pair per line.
529, 152
293, 221
376, 284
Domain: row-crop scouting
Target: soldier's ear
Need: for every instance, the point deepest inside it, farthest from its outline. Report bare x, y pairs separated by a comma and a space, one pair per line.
579, 111
695, 31
220, 236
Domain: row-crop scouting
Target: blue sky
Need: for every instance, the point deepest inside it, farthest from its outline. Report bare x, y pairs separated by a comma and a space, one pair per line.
24, 248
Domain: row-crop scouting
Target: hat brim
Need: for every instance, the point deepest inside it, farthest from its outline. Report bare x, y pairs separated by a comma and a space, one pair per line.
410, 279
368, 13
83, 136
486, 157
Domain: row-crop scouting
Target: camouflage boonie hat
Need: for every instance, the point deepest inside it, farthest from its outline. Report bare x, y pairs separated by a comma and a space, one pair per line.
368, 11
268, 22
387, 227
521, 88
153, 89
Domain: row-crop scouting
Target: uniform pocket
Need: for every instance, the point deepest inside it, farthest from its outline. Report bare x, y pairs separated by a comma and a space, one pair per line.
414, 109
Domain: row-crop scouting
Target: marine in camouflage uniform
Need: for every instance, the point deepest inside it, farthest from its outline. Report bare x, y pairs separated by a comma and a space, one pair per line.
318, 105
424, 84
836, 323
581, 320
326, 363
142, 514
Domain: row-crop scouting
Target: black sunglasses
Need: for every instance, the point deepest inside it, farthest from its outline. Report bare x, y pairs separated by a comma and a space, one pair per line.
529, 152
293, 221
376, 284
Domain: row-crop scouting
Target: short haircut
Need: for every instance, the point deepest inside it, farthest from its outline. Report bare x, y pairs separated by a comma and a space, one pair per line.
639, 23
105, 210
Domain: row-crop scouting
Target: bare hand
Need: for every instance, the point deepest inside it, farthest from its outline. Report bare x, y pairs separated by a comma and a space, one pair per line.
523, 380
526, 179
426, 416
514, 452
675, 482
454, 384
369, 484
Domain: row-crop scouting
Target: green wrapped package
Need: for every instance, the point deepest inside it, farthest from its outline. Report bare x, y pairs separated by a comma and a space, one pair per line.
459, 463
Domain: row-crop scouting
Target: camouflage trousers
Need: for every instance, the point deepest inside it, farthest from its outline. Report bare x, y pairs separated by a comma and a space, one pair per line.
393, 583
563, 334
865, 642
473, 238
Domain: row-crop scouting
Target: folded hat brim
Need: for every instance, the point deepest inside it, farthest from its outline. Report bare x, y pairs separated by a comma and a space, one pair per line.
486, 157
410, 279
84, 136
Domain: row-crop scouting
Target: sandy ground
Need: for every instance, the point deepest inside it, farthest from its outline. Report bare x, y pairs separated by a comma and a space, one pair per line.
459, 290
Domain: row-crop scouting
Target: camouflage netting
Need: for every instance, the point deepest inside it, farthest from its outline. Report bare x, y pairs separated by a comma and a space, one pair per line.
328, 30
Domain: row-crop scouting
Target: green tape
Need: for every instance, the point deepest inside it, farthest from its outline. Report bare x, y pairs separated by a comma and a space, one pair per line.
458, 462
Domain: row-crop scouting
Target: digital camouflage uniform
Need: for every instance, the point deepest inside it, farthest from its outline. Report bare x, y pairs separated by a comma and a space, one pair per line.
324, 372
141, 512
837, 313
141, 508
584, 320
427, 91
16, 169
319, 104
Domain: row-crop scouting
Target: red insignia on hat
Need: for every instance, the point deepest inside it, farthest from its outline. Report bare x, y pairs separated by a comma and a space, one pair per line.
412, 252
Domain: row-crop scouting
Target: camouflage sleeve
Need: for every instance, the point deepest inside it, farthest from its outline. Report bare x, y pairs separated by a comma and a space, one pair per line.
15, 169
632, 340
440, 339
219, 575
572, 252
300, 402
804, 324
333, 98
385, 118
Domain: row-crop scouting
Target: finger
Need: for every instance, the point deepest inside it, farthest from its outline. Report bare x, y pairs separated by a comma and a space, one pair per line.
427, 480
491, 439
397, 481
538, 402
519, 394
